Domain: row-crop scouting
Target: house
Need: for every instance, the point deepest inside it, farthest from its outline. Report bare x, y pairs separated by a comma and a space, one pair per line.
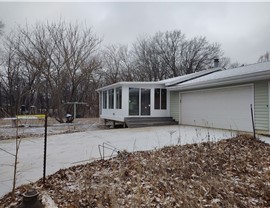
124, 100
215, 98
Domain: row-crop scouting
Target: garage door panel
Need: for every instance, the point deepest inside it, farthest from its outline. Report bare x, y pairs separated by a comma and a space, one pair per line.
227, 108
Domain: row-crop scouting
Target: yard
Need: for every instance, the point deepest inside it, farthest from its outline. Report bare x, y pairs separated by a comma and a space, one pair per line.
228, 173
212, 172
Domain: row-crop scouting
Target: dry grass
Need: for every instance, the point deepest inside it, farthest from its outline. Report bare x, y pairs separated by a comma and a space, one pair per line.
229, 173
34, 128
51, 121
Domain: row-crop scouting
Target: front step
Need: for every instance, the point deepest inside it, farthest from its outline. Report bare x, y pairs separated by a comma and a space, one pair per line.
135, 122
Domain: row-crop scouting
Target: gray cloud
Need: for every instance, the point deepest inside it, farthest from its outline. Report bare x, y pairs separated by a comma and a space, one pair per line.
241, 28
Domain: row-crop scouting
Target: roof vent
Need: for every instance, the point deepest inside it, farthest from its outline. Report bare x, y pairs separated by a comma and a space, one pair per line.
216, 63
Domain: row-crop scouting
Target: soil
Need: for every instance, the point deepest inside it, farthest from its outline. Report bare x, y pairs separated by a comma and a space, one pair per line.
229, 173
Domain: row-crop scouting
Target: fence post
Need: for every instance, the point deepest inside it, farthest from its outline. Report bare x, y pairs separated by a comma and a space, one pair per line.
253, 126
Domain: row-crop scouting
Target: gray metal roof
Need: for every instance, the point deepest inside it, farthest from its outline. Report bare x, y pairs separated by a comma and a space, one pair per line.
248, 73
184, 78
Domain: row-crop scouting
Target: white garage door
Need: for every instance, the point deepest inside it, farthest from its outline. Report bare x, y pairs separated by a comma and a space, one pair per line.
226, 108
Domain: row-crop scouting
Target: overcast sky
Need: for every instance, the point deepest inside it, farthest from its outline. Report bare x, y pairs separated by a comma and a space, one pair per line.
242, 29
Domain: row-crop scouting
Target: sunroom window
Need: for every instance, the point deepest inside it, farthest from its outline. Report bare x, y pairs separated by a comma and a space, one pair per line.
111, 98
160, 99
118, 98
163, 99
134, 96
104, 95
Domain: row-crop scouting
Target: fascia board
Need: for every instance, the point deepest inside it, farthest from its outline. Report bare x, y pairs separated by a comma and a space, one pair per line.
118, 84
109, 86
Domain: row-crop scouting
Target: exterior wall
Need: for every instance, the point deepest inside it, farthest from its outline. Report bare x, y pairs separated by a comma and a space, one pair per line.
174, 105
154, 112
120, 114
113, 114
261, 102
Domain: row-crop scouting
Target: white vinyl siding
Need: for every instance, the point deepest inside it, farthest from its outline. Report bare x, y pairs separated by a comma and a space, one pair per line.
174, 105
261, 105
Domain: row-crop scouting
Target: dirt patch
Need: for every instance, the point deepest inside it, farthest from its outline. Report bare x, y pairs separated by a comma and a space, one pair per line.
229, 173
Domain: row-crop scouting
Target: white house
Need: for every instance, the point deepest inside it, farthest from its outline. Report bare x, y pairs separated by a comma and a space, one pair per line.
214, 98
133, 99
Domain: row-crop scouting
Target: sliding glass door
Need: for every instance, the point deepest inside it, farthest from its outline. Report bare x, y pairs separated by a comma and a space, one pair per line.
134, 95
139, 101
145, 102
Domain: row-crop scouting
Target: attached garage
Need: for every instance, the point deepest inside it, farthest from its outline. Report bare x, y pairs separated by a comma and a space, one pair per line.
226, 107
222, 99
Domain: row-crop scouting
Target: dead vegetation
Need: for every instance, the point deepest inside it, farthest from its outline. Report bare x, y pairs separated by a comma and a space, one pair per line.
35, 128
228, 173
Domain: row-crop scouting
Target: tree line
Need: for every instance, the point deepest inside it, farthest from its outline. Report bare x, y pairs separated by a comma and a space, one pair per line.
51, 64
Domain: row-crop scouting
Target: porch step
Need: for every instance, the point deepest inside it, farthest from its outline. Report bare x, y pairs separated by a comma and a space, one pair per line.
135, 122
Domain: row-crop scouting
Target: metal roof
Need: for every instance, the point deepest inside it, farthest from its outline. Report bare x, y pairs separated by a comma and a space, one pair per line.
184, 78
248, 73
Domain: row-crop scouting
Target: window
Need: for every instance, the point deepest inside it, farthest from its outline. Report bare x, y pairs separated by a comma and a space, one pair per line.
163, 99
134, 94
160, 99
111, 98
157, 98
139, 101
118, 98
104, 95
145, 101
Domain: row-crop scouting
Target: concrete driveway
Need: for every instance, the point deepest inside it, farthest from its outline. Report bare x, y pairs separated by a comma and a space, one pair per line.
77, 148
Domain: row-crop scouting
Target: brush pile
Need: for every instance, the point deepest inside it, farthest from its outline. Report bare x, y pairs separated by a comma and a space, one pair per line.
228, 173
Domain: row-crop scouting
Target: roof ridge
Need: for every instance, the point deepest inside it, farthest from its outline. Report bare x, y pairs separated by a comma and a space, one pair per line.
243, 65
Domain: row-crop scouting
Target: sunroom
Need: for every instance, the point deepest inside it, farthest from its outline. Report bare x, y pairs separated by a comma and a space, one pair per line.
124, 100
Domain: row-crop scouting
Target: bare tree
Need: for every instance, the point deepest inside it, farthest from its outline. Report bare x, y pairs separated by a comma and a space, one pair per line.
117, 64
1, 90
169, 54
264, 57
12, 84
74, 59
59, 59
198, 54
112, 68
149, 65
171, 45
2, 25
